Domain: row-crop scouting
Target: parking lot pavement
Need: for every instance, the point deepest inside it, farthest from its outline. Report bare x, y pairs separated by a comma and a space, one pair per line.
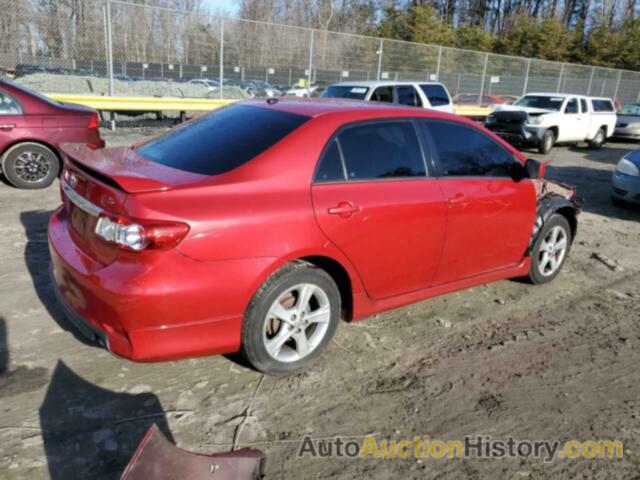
558, 361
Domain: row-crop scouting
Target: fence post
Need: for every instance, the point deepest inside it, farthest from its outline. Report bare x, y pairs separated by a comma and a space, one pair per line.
526, 78
484, 74
310, 64
615, 95
380, 58
593, 70
221, 56
560, 78
109, 55
438, 65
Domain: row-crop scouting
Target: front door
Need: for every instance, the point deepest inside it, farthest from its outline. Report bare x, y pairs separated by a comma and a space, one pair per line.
490, 216
374, 199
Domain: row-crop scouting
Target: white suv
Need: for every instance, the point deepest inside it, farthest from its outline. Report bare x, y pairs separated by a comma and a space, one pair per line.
415, 94
544, 119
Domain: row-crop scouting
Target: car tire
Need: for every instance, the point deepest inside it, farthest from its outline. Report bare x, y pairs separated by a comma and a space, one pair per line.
618, 202
276, 347
30, 165
543, 268
598, 140
547, 141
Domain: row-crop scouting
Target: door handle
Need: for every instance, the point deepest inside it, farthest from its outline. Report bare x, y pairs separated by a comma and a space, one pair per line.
459, 200
7, 127
344, 209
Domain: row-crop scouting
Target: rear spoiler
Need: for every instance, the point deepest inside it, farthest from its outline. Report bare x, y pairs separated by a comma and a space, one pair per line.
118, 167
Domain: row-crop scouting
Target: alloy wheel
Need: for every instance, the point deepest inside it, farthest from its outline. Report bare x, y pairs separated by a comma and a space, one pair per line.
32, 167
552, 251
296, 322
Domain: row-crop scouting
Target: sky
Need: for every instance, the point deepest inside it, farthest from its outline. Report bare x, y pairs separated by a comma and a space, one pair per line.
230, 6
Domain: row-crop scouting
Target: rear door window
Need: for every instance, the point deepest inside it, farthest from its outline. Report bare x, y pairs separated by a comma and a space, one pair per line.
382, 94
583, 105
382, 150
330, 168
464, 151
602, 105
436, 94
222, 141
407, 95
8, 105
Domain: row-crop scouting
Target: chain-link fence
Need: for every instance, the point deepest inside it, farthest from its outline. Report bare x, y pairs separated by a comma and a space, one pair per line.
111, 47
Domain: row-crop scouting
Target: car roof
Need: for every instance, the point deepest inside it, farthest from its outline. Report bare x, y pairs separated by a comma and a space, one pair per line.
565, 95
380, 83
316, 107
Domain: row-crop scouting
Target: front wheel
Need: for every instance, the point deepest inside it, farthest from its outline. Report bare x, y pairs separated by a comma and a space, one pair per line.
598, 140
30, 166
546, 143
291, 319
550, 250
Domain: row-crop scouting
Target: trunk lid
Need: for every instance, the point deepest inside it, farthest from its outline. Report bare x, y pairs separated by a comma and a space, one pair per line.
98, 182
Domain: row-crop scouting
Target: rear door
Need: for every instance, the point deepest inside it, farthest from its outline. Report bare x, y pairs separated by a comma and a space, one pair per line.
12, 121
489, 215
373, 198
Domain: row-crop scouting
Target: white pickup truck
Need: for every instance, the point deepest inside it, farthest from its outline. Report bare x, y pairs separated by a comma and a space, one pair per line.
545, 119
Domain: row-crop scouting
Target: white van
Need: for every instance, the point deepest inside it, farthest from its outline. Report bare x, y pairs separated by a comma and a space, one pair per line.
414, 94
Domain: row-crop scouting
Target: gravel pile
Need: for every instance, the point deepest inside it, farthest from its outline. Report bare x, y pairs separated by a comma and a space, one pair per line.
75, 84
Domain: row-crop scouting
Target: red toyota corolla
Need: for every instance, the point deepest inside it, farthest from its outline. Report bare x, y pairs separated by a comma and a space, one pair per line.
32, 127
261, 225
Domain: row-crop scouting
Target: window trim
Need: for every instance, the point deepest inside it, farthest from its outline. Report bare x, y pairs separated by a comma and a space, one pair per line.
435, 155
428, 168
15, 100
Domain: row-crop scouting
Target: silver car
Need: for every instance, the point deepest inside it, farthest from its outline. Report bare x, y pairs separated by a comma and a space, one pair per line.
628, 123
626, 180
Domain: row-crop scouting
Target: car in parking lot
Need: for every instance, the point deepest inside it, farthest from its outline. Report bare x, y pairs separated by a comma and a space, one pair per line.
413, 94
625, 187
477, 100
543, 120
32, 127
628, 123
200, 242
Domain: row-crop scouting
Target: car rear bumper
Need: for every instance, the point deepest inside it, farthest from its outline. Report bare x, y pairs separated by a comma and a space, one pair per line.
165, 306
625, 188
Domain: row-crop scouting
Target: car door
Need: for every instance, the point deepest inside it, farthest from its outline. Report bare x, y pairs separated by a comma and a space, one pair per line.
490, 216
575, 124
373, 198
407, 95
12, 122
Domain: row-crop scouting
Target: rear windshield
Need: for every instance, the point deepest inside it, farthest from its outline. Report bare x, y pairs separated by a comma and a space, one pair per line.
341, 91
436, 94
540, 101
602, 105
219, 142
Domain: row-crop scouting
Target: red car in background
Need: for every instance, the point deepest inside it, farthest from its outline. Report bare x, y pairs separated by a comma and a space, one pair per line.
259, 226
32, 127
476, 100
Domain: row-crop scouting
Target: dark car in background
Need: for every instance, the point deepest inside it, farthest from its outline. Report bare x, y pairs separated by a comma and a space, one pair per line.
32, 128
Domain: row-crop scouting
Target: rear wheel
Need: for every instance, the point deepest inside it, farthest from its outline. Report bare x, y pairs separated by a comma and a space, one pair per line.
291, 319
547, 141
598, 140
30, 166
550, 250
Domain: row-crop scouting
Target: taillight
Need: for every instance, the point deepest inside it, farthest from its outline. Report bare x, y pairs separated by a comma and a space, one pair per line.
139, 235
93, 121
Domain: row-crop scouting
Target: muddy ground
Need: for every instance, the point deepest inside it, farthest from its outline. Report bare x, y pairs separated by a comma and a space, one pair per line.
555, 362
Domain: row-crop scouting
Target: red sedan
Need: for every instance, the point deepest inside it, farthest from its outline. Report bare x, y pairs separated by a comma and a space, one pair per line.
32, 127
259, 226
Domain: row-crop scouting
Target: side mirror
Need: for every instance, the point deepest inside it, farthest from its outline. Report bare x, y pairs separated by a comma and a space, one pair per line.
535, 169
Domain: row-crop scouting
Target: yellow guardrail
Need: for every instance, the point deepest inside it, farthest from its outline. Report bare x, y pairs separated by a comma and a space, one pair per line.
141, 104
177, 104
472, 111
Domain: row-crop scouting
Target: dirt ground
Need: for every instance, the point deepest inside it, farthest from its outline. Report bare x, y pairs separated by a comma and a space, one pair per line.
554, 362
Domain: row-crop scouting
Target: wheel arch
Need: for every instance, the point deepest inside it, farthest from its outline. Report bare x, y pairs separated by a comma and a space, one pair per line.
550, 205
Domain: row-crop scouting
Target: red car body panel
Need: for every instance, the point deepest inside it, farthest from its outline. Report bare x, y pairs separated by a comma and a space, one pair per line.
45, 121
410, 239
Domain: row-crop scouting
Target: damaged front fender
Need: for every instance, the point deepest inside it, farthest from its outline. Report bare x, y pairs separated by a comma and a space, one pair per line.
554, 197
